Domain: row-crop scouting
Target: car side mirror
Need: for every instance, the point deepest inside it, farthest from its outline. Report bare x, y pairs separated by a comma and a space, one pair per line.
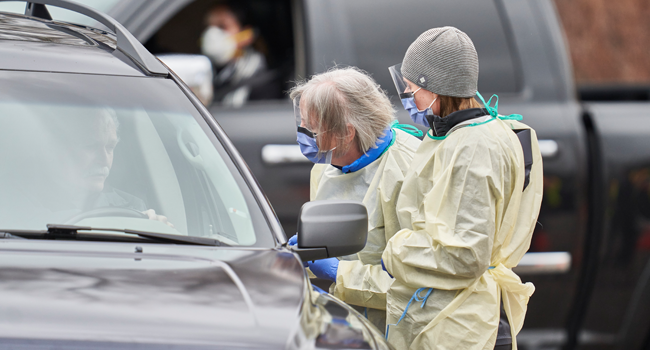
331, 228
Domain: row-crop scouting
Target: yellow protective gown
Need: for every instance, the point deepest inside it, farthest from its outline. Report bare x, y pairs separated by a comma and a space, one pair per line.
465, 223
360, 280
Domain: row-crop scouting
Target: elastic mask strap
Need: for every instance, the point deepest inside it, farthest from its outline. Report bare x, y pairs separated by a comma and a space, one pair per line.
432, 102
494, 110
418, 298
407, 128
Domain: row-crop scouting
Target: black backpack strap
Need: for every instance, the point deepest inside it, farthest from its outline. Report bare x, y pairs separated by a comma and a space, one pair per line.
524, 138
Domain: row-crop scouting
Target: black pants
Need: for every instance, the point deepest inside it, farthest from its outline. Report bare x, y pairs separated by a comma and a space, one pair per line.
503, 347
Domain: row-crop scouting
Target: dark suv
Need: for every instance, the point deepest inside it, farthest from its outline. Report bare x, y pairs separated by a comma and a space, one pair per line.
127, 218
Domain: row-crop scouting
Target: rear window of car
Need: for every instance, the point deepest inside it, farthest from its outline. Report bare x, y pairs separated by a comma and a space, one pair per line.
380, 32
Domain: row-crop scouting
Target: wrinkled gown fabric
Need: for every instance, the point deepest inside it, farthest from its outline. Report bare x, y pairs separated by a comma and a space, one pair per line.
360, 280
465, 223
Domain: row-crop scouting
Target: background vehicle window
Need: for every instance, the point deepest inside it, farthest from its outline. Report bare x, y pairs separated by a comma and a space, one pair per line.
99, 151
380, 32
271, 25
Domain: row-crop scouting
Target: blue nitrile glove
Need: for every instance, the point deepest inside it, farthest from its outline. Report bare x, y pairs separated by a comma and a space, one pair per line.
293, 242
384, 268
325, 268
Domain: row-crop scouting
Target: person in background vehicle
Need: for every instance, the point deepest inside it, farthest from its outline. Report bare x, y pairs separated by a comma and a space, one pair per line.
344, 118
228, 42
72, 163
467, 207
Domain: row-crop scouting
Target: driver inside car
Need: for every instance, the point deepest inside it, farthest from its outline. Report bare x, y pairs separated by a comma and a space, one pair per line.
78, 157
230, 42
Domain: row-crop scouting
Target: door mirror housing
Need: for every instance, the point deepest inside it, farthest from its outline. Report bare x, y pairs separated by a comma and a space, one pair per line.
331, 228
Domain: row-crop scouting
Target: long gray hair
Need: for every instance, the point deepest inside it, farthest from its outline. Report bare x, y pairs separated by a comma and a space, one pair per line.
342, 97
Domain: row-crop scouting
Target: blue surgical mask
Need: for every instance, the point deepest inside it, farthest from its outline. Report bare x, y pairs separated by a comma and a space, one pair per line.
309, 147
418, 116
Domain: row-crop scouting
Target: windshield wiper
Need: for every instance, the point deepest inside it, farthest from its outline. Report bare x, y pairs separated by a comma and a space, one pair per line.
55, 231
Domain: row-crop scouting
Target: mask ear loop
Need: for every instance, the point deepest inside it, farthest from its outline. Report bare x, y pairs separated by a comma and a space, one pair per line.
432, 102
329, 153
416, 106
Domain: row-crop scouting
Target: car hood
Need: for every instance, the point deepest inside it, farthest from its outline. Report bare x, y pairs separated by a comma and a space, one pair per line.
168, 294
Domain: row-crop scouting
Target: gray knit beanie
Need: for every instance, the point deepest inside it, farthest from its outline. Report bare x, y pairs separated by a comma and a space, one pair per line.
444, 61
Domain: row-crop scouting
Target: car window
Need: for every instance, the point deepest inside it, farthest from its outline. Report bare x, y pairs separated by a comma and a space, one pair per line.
375, 34
249, 42
117, 152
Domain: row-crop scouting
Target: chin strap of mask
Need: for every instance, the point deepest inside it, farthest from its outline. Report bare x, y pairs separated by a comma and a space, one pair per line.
410, 129
494, 110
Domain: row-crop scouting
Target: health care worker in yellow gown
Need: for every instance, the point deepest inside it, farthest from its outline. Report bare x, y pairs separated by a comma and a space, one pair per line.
467, 207
345, 113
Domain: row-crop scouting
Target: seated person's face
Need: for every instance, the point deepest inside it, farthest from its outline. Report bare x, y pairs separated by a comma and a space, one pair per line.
223, 18
90, 155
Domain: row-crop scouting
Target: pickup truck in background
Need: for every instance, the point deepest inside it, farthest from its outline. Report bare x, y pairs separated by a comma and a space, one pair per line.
590, 254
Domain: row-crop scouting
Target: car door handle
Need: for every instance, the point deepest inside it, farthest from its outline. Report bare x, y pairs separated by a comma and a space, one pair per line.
548, 148
544, 263
283, 154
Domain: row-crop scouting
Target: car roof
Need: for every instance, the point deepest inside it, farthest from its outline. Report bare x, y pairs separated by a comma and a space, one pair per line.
34, 44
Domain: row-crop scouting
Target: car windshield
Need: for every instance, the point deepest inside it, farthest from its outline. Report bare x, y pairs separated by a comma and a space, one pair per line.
117, 152
64, 15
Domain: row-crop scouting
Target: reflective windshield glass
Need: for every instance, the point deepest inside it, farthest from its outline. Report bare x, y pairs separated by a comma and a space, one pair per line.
60, 14
117, 152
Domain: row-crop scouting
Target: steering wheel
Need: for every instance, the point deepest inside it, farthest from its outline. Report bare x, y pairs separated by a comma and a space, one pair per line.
106, 211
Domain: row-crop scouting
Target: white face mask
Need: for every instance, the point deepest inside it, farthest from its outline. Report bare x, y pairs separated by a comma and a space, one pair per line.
218, 45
